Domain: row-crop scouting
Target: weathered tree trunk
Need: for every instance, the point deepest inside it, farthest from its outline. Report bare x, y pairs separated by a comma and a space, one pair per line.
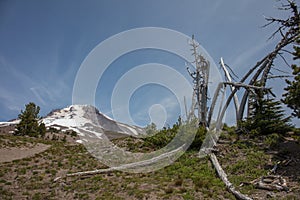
224, 178
235, 97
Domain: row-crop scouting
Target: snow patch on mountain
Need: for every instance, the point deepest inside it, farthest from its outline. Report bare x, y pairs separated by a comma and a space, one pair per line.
87, 121
14, 122
86, 118
70, 117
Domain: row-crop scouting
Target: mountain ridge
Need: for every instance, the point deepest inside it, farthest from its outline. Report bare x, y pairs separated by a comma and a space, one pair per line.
86, 120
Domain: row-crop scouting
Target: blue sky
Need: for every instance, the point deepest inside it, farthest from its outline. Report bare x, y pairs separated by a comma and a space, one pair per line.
43, 44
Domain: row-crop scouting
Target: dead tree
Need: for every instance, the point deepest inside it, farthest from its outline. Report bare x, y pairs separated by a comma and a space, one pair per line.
229, 79
262, 70
200, 79
289, 31
199, 102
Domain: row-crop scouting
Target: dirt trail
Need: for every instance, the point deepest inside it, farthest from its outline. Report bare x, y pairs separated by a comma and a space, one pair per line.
15, 153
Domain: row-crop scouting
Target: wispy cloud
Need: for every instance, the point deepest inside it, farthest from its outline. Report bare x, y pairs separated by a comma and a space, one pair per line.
248, 57
39, 92
18, 87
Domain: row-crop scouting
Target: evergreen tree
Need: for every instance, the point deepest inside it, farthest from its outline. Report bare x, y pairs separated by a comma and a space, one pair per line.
267, 117
292, 96
29, 124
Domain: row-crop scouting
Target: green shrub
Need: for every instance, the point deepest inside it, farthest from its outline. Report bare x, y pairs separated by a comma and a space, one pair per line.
53, 130
160, 139
183, 134
272, 140
73, 134
199, 137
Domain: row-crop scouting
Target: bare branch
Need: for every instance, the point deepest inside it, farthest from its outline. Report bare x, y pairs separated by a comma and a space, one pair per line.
287, 51
279, 76
232, 72
246, 86
284, 60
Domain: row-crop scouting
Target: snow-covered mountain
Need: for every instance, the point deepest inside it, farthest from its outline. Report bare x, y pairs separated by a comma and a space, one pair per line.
13, 122
87, 121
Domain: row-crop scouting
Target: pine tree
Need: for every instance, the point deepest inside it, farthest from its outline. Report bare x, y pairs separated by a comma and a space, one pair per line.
29, 124
267, 117
292, 96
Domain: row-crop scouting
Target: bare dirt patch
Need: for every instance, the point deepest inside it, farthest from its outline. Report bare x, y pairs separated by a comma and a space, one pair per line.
15, 153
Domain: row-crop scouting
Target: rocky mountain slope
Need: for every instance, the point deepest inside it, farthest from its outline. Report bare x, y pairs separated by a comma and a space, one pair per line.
87, 121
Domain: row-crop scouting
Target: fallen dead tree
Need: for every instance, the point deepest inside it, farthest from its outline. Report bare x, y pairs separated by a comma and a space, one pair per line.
143, 163
289, 31
224, 178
